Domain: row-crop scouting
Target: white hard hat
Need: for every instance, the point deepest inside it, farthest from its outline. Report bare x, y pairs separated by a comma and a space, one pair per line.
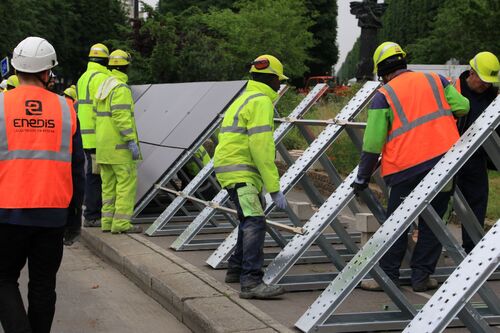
3, 84
34, 55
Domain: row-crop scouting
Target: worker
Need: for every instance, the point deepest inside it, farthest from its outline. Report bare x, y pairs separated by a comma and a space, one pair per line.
477, 85
411, 122
86, 89
70, 92
42, 180
117, 146
12, 82
244, 165
207, 190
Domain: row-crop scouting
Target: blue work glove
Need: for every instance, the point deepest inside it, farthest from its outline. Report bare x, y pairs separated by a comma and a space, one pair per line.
134, 149
359, 185
279, 199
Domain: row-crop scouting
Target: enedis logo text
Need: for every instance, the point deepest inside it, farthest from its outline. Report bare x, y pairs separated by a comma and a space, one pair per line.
33, 108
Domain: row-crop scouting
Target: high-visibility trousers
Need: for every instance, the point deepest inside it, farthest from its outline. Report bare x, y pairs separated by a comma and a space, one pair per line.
119, 187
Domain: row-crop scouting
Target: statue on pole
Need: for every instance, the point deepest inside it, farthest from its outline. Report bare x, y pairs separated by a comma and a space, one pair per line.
368, 13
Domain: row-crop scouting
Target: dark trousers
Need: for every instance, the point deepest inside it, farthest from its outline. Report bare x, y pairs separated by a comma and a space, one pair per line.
428, 248
248, 257
43, 249
472, 180
93, 197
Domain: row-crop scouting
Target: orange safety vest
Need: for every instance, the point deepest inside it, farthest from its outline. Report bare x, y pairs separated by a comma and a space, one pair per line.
423, 126
36, 136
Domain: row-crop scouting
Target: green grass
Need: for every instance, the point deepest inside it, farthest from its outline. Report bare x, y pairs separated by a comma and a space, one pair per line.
493, 212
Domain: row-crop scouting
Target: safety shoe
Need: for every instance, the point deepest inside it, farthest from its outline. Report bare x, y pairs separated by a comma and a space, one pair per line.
106, 230
232, 278
372, 285
261, 291
92, 223
135, 229
427, 284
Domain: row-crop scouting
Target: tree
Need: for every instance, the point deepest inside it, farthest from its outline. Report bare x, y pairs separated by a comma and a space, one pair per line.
453, 36
325, 51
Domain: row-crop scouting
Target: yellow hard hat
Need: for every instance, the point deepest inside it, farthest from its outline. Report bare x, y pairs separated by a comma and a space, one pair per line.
268, 64
71, 92
13, 81
99, 51
119, 58
384, 51
486, 65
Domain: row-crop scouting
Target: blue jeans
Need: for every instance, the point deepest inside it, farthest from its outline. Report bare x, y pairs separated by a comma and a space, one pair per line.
428, 248
248, 257
93, 199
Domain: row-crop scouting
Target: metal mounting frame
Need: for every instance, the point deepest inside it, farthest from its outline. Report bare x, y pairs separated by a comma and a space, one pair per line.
459, 288
298, 169
184, 240
319, 316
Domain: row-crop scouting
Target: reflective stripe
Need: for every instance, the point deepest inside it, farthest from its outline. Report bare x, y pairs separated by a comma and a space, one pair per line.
121, 107
260, 129
103, 114
107, 214
435, 90
231, 129
417, 122
87, 131
236, 167
388, 46
88, 100
122, 216
234, 127
63, 154
108, 201
121, 146
441, 112
127, 131
397, 104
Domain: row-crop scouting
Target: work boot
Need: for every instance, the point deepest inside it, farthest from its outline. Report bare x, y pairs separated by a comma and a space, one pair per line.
135, 229
427, 284
232, 277
261, 291
92, 223
372, 285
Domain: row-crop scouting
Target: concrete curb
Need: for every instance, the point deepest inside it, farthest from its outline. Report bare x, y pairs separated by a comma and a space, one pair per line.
195, 298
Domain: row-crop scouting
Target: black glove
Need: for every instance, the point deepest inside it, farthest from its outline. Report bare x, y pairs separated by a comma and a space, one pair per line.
71, 235
359, 185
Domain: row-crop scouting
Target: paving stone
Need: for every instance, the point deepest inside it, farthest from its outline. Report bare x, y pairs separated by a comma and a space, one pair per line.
141, 268
171, 290
218, 314
115, 247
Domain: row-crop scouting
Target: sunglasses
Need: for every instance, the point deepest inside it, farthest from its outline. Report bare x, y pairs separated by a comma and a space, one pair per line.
260, 64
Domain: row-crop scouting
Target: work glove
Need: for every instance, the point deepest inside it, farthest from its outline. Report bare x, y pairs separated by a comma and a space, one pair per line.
279, 199
134, 149
359, 185
71, 235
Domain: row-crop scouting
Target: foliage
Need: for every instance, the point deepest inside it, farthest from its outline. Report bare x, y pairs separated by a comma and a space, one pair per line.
325, 52
350, 65
77, 25
453, 35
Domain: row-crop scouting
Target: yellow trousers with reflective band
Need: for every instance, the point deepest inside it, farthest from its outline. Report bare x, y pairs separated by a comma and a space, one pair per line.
119, 186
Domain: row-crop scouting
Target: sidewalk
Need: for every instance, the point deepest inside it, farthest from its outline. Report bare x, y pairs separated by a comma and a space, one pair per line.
195, 298
93, 297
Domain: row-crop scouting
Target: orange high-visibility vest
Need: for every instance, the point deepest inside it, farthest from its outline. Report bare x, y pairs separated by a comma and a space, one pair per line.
36, 135
423, 126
